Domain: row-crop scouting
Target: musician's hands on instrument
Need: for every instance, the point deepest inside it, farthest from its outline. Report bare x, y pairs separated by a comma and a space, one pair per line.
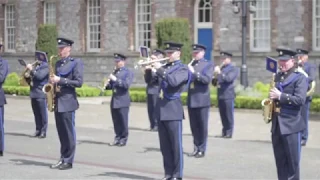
191, 69
29, 66
148, 67
156, 65
274, 93
54, 79
112, 77
217, 70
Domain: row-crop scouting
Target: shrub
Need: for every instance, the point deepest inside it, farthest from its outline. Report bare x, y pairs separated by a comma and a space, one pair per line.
47, 39
13, 79
177, 30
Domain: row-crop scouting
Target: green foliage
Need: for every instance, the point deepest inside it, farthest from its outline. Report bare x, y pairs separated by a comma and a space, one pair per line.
12, 80
176, 30
47, 39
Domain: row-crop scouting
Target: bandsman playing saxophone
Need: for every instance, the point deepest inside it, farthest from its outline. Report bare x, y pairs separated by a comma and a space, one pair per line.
289, 96
68, 76
4, 69
199, 99
310, 70
119, 82
39, 77
226, 93
153, 89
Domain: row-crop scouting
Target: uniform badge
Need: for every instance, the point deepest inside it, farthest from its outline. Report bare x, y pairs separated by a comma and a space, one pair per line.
168, 45
192, 85
161, 94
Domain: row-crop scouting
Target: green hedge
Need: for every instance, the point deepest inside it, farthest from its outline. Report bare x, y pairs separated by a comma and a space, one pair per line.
177, 30
247, 99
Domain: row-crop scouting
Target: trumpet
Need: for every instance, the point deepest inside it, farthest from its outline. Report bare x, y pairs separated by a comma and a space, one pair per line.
215, 77
147, 62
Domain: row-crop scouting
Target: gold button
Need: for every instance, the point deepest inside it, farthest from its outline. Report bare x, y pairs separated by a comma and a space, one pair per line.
289, 102
288, 99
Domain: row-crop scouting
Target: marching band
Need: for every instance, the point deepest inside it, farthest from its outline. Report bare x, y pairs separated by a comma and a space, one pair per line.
289, 101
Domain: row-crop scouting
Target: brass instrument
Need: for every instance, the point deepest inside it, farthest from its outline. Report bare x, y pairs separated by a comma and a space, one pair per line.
106, 82
215, 76
26, 78
48, 88
268, 104
147, 61
313, 83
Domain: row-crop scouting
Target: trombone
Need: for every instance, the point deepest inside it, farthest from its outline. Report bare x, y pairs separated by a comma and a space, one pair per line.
147, 62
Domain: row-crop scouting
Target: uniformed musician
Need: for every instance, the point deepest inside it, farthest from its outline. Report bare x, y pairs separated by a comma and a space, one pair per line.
119, 82
199, 99
173, 77
4, 68
226, 74
289, 96
40, 77
153, 89
310, 70
68, 76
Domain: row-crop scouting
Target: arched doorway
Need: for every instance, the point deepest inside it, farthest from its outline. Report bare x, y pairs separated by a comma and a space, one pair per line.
203, 31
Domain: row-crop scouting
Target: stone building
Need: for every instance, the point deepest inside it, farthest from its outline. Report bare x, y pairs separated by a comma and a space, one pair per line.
102, 27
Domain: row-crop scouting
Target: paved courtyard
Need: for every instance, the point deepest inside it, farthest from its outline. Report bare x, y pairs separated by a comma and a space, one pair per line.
248, 155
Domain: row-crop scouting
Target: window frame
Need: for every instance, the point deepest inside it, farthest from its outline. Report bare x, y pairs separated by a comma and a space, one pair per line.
45, 11
252, 28
88, 24
314, 26
137, 23
6, 48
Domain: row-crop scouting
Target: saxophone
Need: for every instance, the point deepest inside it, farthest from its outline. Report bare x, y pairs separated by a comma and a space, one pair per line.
215, 77
268, 104
48, 88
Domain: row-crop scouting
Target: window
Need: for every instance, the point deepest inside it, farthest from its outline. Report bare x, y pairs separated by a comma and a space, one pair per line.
205, 11
10, 14
93, 26
50, 12
316, 25
260, 31
143, 23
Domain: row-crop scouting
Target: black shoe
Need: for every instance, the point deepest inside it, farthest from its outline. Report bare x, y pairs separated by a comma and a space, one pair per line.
114, 143
154, 129
199, 154
193, 153
42, 135
36, 134
303, 142
65, 166
166, 178
121, 144
56, 166
228, 136
1, 153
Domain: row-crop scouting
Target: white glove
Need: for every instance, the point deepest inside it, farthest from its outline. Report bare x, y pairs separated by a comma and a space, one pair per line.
113, 77
191, 69
217, 70
156, 65
153, 70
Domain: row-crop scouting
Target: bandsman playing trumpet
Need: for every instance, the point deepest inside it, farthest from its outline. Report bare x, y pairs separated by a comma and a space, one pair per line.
310, 70
289, 96
199, 99
4, 69
226, 93
68, 76
119, 82
39, 77
173, 77
153, 89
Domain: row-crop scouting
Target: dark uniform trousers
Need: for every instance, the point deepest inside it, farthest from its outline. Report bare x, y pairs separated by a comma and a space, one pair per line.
120, 103
40, 76
199, 102
4, 69
287, 124
170, 114
70, 71
152, 96
310, 70
226, 96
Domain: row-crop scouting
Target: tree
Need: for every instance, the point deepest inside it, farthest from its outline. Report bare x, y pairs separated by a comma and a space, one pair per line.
47, 40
